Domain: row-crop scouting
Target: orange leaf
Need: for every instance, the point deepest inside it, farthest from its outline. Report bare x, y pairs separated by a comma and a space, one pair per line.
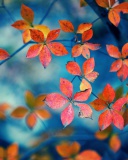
105, 119
57, 48
21, 25
115, 143
73, 68
52, 35
92, 46
76, 50
103, 3
2, 116
34, 50
88, 66
113, 51
3, 54
66, 26
82, 96
2, 153
85, 85
87, 35
83, 3
125, 50
116, 65
43, 29
114, 17
27, 13
30, 99
39, 101
4, 107
37, 35
122, 73
67, 115
55, 100
12, 151
126, 62
67, 149
123, 7
108, 93
101, 135
66, 87
31, 120
88, 155
85, 52
45, 56
43, 114
26, 36
84, 27
85, 110
117, 119
98, 104
19, 112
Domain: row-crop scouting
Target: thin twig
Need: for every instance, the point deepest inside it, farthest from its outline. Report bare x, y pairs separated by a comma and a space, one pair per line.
50, 7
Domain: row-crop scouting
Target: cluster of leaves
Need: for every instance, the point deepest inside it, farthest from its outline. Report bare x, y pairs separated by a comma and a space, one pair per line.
33, 111
11, 153
70, 151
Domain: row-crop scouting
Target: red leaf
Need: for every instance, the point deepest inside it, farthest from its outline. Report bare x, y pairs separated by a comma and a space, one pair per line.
19, 112
105, 119
37, 35
27, 13
88, 155
31, 120
108, 93
122, 73
84, 27
66, 26
113, 51
55, 100
115, 143
45, 56
119, 103
85, 52
3, 54
105, 3
82, 96
88, 66
85, 110
76, 50
42, 113
73, 68
123, 7
92, 46
116, 65
52, 35
125, 50
67, 115
66, 87
98, 104
117, 120
21, 25
57, 48
26, 36
114, 17
34, 50
87, 35
92, 76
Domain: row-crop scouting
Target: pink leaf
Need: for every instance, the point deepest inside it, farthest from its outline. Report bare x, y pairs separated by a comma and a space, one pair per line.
82, 96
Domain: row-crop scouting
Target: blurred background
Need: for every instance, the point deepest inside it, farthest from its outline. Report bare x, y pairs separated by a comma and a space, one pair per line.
19, 74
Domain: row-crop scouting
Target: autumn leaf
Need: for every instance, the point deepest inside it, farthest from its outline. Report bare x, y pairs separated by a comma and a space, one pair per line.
112, 114
3, 54
84, 27
3, 108
31, 120
19, 112
115, 143
66, 26
88, 155
67, 150
56, 101
121, 64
